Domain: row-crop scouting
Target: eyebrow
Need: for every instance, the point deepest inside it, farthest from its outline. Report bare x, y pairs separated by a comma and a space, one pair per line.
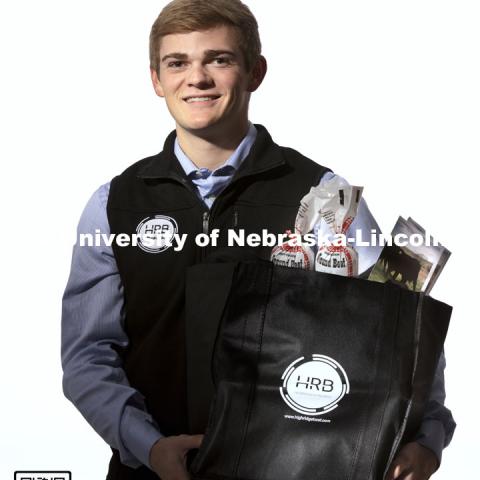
206, 53
214, 53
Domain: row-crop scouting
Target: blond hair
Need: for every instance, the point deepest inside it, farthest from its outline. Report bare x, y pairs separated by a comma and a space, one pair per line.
183, 16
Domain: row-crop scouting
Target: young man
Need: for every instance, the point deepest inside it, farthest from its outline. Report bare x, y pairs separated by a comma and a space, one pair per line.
123, 343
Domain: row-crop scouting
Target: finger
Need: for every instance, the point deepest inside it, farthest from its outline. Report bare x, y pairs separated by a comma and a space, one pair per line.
394, 471
192, 441
409, 474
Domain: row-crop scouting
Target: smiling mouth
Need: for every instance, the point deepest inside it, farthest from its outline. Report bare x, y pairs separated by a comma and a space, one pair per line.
201, 99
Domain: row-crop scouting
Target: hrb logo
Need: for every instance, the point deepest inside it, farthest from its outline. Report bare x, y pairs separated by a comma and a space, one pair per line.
155, 234
313, 382
315, 385
156, 229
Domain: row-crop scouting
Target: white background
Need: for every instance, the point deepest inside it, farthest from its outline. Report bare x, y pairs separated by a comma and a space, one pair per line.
385, 93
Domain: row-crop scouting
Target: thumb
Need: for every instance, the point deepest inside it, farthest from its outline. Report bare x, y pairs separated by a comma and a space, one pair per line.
192, 441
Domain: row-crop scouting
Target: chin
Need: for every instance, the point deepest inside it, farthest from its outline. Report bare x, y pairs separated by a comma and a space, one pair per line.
200, 125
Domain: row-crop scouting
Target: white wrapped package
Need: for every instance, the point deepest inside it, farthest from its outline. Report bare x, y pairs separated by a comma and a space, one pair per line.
293, 255
338, 205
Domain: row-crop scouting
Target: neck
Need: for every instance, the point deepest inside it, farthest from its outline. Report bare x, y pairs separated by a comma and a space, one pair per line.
210, 149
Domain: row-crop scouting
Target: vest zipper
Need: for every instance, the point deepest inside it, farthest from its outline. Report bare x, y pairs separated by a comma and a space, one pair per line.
206, 219
205, 230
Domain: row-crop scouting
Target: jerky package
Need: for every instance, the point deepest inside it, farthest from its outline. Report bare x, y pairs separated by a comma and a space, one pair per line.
293, 255
300, 256
337, 204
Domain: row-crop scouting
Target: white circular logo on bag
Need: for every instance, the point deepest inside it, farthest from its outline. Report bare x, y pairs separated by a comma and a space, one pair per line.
155, 234
314, 386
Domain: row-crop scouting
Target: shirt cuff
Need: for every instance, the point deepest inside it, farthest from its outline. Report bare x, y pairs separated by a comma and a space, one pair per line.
138, 432
432, 436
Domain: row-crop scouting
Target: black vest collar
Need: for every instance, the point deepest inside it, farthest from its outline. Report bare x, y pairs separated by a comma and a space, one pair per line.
264, 155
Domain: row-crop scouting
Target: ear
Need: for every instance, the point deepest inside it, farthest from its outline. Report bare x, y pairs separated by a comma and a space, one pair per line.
156, 83
257, 74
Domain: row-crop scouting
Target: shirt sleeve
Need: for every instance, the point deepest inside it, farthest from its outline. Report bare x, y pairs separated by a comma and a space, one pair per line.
438, 425
92, 331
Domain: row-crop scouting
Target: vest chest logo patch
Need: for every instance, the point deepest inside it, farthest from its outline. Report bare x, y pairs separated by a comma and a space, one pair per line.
315, 385
156, 233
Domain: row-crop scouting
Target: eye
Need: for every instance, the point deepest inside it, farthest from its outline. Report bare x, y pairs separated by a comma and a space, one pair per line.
221, 61
175, 64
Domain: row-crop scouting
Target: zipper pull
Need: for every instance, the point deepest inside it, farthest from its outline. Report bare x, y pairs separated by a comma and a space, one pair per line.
206, 218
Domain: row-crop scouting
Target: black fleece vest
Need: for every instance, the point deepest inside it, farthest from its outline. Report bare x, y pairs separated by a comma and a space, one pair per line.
265, 193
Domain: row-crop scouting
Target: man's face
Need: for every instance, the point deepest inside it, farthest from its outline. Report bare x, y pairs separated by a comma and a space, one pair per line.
204, 80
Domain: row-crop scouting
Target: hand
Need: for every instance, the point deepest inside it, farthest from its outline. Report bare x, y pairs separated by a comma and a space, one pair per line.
168, 456
413, 462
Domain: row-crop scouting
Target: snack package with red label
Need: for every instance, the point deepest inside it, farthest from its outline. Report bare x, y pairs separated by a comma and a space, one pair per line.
292, 254
298, 255
338, 205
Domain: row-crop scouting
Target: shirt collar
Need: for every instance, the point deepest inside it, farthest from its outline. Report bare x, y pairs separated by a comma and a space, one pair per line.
264, 155
235, 159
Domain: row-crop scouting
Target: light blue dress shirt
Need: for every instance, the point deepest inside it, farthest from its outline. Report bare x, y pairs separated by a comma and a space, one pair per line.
209, 184
93, 319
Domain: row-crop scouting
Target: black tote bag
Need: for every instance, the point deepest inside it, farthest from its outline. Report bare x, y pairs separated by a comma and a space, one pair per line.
315, 376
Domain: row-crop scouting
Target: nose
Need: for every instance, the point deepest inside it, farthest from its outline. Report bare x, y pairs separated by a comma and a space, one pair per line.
199, 77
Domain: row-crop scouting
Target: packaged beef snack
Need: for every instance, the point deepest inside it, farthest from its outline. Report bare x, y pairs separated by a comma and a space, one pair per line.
293, 254
299, 255
337, 204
